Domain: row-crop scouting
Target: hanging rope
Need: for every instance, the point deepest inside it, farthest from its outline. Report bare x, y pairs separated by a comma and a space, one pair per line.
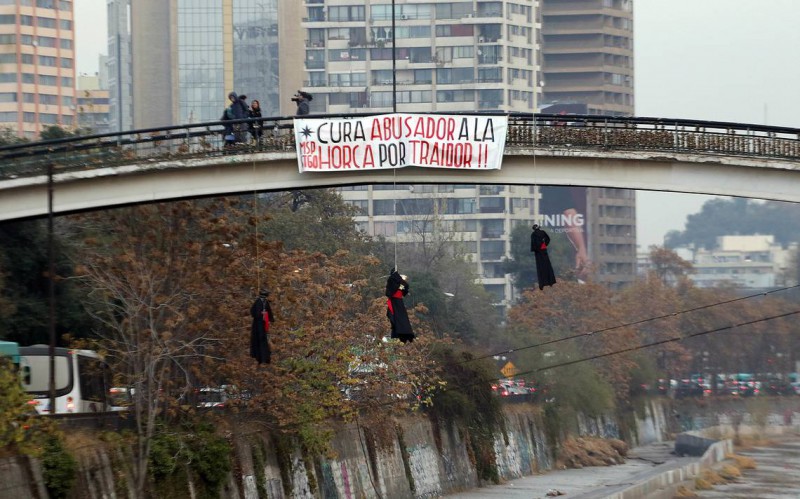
533, 150
394, 189
256, 239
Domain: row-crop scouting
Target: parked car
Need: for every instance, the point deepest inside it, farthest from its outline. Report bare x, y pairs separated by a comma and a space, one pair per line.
688, 388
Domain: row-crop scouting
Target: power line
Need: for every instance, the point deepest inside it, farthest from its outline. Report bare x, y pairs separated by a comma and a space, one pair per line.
618, 352
661, 342
628, 324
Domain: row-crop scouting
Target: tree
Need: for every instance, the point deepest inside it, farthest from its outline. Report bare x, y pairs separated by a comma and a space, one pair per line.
738, 216
668, 266
171, 288
24, 260
522, 264
311, 220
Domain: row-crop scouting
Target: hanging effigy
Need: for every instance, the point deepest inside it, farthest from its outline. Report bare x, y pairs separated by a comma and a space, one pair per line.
396, 288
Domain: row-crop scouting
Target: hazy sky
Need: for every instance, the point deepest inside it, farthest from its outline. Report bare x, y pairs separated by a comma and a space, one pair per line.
720, 60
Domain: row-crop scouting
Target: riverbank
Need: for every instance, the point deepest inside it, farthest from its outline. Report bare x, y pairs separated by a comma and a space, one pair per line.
595, 482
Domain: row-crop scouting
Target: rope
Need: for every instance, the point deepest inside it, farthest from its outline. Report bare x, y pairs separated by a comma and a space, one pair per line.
256, 227
533, 152
396, 235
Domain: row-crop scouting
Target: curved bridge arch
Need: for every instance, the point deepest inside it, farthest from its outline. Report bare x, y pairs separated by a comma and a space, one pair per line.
188, 161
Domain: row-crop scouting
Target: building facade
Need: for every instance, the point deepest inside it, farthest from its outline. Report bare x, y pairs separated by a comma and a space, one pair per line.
587, 68
175, 61
429, 56
587, 54
747, 262
37, 65
92, 104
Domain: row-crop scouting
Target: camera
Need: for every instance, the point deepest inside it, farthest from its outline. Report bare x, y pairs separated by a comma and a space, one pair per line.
300, 95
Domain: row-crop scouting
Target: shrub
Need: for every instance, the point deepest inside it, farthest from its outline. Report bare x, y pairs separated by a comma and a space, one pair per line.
59, 468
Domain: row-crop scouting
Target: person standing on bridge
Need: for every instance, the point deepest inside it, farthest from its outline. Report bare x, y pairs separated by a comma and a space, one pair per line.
237, 110
302, 99
255, 126
261, 312
544, 269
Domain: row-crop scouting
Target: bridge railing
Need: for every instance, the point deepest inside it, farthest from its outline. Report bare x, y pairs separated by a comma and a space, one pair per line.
541, 132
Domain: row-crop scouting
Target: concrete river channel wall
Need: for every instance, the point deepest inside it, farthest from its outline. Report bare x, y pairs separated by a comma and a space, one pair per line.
419, 459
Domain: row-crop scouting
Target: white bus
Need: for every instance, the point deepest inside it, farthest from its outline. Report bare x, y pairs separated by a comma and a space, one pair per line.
82, 379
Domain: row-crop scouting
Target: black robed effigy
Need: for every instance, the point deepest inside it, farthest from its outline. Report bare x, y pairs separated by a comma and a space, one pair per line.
259, 332
544, 269
396, 289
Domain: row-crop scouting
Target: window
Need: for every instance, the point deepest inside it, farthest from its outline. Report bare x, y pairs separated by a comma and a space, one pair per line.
455, 96
8, 97
346, 13
455, 10
347, 55
315, 59
47, 41
46, 60
455, 75
8, 39
492, 250
45, 22
48, 80
460, 206
493, 205
384, 228
423, 76
347, 80
361, 204
454, 30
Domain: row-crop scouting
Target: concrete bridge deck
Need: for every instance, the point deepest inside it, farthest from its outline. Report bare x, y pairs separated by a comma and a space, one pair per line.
188, 161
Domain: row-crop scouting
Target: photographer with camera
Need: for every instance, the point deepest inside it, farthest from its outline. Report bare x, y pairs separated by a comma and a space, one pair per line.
302, 99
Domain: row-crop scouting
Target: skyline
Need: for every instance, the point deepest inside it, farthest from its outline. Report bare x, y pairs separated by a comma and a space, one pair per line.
710, 60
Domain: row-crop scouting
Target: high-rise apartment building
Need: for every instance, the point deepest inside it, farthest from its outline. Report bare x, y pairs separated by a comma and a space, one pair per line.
587, 54
37, 65
587, 64
430, 56
441, 56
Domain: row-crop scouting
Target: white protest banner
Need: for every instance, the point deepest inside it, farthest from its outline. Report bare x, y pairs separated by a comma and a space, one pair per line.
398, 140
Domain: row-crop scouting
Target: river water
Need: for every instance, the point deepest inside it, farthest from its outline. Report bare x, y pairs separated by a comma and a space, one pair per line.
777, 474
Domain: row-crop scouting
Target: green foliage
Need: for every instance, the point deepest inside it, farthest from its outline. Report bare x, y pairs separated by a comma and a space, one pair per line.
258, 452
59, 468
9, 137
312, 220
20, 431
720, 217
522, 264
23, 259
469, 401
195, 448
579, 387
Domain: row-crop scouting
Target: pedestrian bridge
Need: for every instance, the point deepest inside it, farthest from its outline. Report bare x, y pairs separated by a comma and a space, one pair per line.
189, 161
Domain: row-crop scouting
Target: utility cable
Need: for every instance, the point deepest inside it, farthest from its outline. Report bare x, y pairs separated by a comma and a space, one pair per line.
628, 324
615, 352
